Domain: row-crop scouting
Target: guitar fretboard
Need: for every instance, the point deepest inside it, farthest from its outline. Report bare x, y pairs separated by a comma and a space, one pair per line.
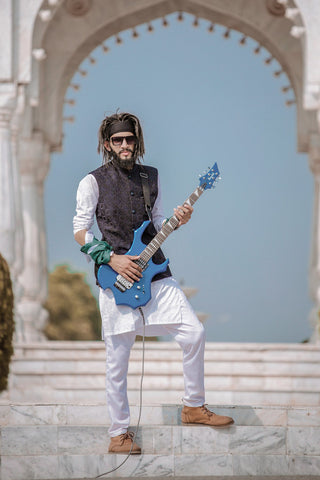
167, 228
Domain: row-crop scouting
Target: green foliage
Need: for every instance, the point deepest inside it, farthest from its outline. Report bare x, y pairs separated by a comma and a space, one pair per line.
73, 310
6, 322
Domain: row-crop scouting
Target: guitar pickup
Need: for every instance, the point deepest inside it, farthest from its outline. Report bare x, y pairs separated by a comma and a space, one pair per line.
122, 283
119, 287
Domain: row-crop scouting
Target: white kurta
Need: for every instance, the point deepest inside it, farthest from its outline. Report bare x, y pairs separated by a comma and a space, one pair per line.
167, 299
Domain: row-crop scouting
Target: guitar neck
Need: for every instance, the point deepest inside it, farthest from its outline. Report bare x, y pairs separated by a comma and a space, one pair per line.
168, 228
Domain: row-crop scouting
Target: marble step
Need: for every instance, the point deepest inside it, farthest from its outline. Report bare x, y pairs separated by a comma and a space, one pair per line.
169, 366
164, 358
50, 444
227, 477
228, 397
168, 382
247, 352
234, 373
30, 413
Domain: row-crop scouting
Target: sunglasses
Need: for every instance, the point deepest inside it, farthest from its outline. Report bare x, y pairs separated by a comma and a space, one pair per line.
117, 141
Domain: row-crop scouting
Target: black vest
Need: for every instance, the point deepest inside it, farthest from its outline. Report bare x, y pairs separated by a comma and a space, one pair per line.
121, 210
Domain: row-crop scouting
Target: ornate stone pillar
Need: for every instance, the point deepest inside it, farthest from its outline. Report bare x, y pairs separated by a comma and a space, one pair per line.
7, 189
34, 163
314, 163
18, 261
11, 224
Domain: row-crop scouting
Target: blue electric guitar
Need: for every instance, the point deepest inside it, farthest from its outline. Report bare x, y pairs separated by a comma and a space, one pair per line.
137, 294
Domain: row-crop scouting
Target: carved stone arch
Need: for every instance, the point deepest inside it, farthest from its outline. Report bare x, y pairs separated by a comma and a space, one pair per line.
68, 39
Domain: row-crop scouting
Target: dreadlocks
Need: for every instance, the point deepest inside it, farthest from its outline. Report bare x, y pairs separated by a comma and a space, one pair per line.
113, 124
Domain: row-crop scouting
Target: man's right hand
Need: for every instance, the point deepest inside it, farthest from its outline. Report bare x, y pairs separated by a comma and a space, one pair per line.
125, 265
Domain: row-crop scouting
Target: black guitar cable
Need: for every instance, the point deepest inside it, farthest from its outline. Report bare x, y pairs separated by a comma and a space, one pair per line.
140, 402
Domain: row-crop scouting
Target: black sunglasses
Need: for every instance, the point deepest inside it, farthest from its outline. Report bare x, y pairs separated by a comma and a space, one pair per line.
117, 141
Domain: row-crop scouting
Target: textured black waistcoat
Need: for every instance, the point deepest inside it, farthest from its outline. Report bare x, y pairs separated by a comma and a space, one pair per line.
121, 210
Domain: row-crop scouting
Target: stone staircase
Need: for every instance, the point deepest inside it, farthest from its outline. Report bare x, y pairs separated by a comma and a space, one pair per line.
235, 373
54, 419
68, 441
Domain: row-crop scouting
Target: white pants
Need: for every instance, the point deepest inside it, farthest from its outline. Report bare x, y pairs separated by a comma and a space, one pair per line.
190, 336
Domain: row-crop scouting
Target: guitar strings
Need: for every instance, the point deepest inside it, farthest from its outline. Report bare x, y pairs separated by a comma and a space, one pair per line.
140, 402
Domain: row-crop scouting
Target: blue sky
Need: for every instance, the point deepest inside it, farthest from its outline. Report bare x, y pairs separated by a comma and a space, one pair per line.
202, 99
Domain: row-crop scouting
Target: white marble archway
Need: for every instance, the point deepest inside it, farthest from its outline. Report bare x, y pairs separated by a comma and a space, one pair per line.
50, 40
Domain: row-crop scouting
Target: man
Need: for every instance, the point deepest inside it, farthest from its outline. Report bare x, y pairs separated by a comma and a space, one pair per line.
114, 194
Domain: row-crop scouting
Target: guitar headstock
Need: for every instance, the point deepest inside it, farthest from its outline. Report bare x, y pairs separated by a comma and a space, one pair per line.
210, 178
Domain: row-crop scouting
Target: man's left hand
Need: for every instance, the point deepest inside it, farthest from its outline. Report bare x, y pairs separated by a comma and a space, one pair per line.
183, 213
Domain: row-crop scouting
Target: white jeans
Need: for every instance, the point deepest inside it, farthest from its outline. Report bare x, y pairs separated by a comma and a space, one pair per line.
190, 336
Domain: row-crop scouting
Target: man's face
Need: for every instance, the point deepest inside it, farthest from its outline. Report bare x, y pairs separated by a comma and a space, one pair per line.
122, 144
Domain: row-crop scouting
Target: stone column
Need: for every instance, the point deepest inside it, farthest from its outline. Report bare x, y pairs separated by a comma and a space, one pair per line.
18, 262
34, 163
314, 275
11, 223
7, 189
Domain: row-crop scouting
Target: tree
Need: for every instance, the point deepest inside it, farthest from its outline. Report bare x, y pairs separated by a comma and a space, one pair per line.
73, 310
6, 322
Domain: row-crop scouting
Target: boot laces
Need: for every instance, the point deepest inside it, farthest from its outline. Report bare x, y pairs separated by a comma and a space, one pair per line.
205, 410
126, 436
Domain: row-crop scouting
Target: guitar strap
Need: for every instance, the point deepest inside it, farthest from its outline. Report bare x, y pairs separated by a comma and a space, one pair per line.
146, 193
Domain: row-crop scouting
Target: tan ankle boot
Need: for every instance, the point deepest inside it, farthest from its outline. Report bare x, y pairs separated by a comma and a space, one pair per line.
123, 443
204, 416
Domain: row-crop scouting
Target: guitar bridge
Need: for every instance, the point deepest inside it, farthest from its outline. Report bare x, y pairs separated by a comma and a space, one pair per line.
122, 283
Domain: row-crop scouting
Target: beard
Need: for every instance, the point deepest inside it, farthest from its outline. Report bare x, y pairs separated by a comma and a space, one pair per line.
127, 164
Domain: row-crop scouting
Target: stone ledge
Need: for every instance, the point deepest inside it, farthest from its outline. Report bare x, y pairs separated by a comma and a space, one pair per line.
67, 381
24, 414
214, 477
75, 345
159, 466
154, 397
37, 440
160, 366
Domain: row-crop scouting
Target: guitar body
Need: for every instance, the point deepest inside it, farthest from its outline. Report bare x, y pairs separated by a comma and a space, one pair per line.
140, 293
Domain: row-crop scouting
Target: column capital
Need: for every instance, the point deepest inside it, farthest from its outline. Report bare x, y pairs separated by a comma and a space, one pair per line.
8, 94
5, 118
7, 104
312, 96
18, 110
34, 156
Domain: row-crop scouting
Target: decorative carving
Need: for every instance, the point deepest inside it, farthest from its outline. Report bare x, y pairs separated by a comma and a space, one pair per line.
297, 31
276, 7
78, 8
45, 15
5, 117
292, 14
39, 54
